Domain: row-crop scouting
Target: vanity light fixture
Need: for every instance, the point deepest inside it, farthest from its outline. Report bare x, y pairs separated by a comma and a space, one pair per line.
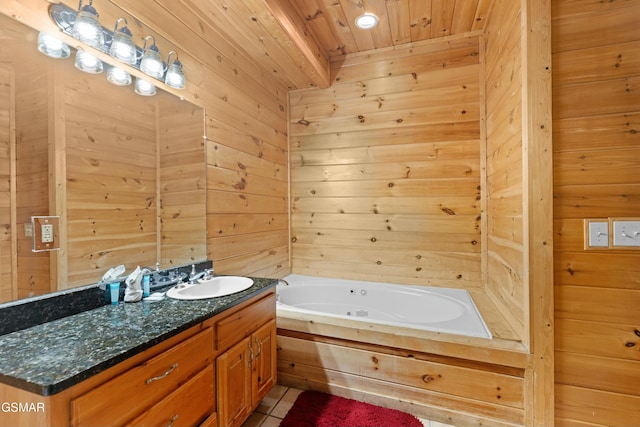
52, 46
118, 76
144, 88
88, 63
367, 21
175, 75
122, 47
151, 64
83, 25
86, 27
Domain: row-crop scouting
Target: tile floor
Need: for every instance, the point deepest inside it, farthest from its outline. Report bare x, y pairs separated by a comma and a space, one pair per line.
278, 402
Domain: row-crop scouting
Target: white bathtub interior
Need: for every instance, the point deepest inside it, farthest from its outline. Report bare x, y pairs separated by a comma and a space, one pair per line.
430, 308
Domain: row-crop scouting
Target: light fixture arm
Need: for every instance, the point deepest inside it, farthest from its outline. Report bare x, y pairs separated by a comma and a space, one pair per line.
89, 5
169, 56
123, 29
153, 45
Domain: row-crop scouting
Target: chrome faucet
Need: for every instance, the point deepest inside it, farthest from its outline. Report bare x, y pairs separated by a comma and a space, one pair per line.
193, 277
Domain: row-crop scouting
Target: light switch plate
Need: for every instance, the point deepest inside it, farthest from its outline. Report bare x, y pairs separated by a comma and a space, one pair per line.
596, 233
626, 233
28, 230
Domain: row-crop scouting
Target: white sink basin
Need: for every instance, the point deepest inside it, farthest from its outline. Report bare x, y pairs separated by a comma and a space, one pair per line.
215, 287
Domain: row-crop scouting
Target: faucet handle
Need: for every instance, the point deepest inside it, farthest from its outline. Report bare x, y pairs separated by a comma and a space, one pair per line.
208, 272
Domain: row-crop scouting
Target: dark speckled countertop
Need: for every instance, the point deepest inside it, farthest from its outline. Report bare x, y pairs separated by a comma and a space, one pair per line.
51, 357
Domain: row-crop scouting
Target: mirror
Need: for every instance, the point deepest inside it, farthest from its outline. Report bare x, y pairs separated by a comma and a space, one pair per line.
124, 173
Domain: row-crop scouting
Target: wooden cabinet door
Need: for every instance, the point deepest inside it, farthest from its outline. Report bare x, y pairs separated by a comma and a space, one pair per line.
234, 379
187, 406
263, 367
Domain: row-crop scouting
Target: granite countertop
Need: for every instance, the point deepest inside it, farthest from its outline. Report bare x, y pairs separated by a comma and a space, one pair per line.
51, 357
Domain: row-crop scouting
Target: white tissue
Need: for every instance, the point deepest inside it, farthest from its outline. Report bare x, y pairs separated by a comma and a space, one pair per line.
113, 274
156, 296
133, 291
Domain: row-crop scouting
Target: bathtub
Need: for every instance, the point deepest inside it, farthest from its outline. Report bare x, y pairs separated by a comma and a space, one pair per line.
420, 307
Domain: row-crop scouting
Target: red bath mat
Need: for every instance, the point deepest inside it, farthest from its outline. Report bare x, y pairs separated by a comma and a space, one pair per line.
316, 409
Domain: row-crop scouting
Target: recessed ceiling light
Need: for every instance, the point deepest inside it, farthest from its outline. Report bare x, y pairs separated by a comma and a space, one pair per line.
366, 21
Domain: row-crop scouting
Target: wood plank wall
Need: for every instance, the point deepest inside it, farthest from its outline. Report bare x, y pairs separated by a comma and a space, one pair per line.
182, 186
32, 170
385, 167
7, 98
247, 202
596, 131
111, 165
505, 269
27, 169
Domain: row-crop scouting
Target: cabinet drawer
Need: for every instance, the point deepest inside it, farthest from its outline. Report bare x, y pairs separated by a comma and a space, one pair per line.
127, 395
187, 406
236, 326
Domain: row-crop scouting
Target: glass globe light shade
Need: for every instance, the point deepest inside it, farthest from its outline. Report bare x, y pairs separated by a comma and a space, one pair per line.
52, 46
118, 76
122, 47
144, 88
151, 64
88, 63
175, 76
86, 28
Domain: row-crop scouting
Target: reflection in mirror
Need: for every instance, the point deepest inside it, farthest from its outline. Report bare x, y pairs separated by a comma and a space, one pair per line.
125, 173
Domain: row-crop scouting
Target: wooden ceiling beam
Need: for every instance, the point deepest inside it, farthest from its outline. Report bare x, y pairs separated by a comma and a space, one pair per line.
316, 61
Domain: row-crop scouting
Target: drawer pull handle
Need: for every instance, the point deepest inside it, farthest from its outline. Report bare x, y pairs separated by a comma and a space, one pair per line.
161, 376
259, 348
173, 420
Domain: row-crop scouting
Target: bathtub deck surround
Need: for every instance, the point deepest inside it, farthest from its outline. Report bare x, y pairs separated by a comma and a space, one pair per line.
447, 377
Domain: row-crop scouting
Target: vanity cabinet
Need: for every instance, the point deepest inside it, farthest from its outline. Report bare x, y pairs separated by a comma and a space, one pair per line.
247, 370
211, 374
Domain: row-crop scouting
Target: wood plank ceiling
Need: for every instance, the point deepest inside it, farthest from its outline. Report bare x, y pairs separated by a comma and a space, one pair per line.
297, 39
